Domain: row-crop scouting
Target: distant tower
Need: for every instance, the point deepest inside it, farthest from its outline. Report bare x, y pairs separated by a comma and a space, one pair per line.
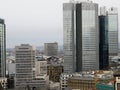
2, 48
51, 49
103, 11
113, 32
81, 36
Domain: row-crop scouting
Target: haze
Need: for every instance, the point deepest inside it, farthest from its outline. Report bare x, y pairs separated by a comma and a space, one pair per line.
37, 21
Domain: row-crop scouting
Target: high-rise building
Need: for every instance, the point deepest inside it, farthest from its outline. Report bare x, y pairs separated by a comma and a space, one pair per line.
2, 48
103, 40
26, 69
113, 32
68, 40
51, 49
25, 64
81, 36
103, 45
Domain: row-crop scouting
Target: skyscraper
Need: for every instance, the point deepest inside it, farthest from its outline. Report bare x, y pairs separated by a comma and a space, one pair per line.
87, 36
2, 48
69, 43
103, 40
113, 32
81, 36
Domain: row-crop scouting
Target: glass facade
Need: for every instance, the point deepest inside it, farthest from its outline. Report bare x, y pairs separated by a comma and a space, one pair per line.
103, 43
68, 26
2, 49
113, 32
87, 37
81, 38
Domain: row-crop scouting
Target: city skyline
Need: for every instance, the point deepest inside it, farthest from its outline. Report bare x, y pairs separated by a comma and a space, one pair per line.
37, 22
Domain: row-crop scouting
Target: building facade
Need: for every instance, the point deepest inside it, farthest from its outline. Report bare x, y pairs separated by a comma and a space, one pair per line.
54, 72
68, 37
64, 80
51, 49
87, 37
103, 43
85, 80
2, 48
117, 80
25, 64
26, 69
81, 36
41, 68
113, 32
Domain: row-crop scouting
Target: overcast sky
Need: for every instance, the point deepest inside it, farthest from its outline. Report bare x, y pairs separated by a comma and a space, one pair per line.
37, 21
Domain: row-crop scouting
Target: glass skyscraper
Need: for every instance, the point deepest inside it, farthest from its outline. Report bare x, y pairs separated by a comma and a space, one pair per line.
2, 48
103, 43
68, 25
81, 36
87, 37
113, 32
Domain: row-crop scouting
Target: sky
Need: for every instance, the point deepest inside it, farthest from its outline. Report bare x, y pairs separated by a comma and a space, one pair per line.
37, 21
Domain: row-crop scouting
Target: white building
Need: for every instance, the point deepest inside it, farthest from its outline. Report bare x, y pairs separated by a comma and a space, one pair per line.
41, 68
63, 80
25, 64
26, 68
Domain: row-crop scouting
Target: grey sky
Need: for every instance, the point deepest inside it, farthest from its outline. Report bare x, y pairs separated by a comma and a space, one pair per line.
37, 21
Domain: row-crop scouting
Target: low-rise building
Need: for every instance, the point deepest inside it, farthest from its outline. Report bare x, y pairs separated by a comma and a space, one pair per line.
117, 80
54, 72
85, 80
64, 80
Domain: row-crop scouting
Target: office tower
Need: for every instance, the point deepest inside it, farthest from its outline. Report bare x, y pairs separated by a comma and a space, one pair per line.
51, 49
25, 64
113, 32
26, 71
68, 39
103, 40
81, 36
2, 48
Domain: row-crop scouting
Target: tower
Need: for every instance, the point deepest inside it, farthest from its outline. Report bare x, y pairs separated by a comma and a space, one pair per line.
2, 48
103, 40
81, 36
113, 32
68, 37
